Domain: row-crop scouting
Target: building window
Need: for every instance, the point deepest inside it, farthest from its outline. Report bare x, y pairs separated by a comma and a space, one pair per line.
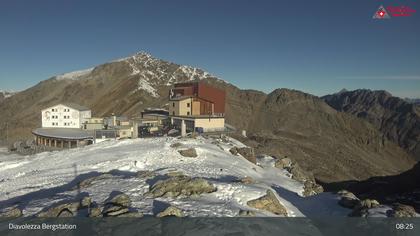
173, 104
188, 104
173, 113
188, 113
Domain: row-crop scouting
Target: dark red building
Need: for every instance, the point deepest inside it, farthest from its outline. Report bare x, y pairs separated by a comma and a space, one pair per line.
211, 100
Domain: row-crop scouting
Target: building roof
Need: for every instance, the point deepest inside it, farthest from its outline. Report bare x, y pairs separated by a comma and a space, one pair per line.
64, 133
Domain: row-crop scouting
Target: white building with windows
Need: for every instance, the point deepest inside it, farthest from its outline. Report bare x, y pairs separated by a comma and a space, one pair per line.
65, 115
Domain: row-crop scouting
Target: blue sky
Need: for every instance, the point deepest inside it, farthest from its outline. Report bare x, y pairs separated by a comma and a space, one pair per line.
318, 47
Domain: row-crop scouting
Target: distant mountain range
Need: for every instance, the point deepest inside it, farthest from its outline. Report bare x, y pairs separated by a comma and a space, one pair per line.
330, 144
396, 118
413, 100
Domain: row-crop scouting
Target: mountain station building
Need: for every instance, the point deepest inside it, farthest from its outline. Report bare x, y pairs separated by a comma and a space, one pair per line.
62, 126
197, 106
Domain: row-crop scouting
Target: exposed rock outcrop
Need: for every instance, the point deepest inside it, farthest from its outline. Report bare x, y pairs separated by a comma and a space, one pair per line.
119, 206
283, 163
190, 152
268, 202
171, 211
246, 213
181, 185
348, 199
68, 209
146, 174
401, 210
362, 207
246, 152
247, 180
12, 212
176, 145
311, 188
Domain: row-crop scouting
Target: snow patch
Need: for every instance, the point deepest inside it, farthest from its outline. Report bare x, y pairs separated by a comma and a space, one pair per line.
75, 74
7, 93
144, 85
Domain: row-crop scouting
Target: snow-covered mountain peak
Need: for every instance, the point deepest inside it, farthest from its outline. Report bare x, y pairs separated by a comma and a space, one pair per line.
143, 54
151, 72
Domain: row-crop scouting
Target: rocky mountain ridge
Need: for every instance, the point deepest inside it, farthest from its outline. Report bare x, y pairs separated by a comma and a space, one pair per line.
397, 119
332, 145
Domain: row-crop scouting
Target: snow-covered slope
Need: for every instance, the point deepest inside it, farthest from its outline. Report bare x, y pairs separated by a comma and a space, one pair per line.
40, 180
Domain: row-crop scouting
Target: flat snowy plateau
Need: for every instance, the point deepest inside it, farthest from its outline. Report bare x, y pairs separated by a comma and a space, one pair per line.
38, 181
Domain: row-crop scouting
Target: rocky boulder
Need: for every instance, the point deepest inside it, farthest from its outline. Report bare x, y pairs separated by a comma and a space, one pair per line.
62, 210
367, 203
247, 180
120, 200
401, 210
247, 153
86, 202
268, 202
190, 152
145, 174
246, 213
180, 185
311, 188
119, 206
348, 199
171, 211
362, 207
297, 172
234, 151
282, 163
176, 145
95, 212
13, 212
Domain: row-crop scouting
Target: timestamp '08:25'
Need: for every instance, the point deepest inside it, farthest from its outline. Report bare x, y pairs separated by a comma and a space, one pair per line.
404, 226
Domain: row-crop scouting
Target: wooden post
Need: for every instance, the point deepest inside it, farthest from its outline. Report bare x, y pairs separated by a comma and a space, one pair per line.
62, 143
55, 142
